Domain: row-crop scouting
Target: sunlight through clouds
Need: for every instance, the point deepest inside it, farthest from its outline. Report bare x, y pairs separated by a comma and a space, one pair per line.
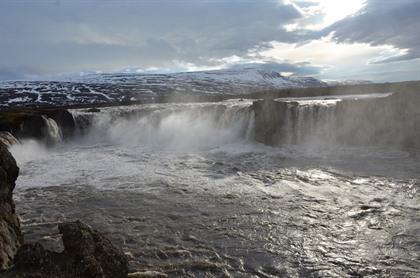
326, 51
336, 10
319, 14
331, 56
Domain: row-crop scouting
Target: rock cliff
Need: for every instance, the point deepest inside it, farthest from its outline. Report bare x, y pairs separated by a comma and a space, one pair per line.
49, 125
87, 254
10, 234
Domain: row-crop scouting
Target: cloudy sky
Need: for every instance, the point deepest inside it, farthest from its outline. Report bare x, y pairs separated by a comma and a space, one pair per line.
328, 39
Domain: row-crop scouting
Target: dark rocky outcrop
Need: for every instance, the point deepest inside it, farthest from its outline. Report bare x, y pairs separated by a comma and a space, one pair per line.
92, 253
49, 125
34, 126
94, 110
64, 120
10, 234
87, 253
270, 117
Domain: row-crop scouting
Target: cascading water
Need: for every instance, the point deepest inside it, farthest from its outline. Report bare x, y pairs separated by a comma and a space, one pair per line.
172, 125
206, 124
318, 122
313, 122
310, 122
53, 131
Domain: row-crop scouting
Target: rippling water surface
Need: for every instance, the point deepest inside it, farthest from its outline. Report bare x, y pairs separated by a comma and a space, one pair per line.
227, 206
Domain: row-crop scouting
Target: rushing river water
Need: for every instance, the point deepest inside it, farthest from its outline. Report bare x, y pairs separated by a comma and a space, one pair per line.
186, 192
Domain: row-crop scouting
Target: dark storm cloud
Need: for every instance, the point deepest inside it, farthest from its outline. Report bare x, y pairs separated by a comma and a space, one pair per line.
65, 36
384, 22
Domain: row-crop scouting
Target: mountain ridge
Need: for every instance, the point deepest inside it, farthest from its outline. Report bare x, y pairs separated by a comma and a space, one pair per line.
144, 87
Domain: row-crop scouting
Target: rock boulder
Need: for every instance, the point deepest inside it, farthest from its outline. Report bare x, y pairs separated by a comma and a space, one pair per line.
87, 254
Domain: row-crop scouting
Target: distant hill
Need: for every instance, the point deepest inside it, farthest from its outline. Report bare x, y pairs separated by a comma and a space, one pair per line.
135, 87
348, 82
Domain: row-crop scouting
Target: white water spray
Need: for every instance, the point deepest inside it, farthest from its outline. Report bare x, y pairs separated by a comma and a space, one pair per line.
173, 126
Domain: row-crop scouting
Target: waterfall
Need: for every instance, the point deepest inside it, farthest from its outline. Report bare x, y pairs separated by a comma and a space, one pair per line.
188, 125
82, 121
310, 122
208, 124
295, 121
52, 132
250, 130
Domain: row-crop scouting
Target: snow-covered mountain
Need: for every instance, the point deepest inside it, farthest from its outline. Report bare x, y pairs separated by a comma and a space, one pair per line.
134, 87
244, 76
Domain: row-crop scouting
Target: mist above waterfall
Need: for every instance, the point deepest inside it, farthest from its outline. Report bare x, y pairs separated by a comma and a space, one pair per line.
28, 150
175, 126
206, 125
